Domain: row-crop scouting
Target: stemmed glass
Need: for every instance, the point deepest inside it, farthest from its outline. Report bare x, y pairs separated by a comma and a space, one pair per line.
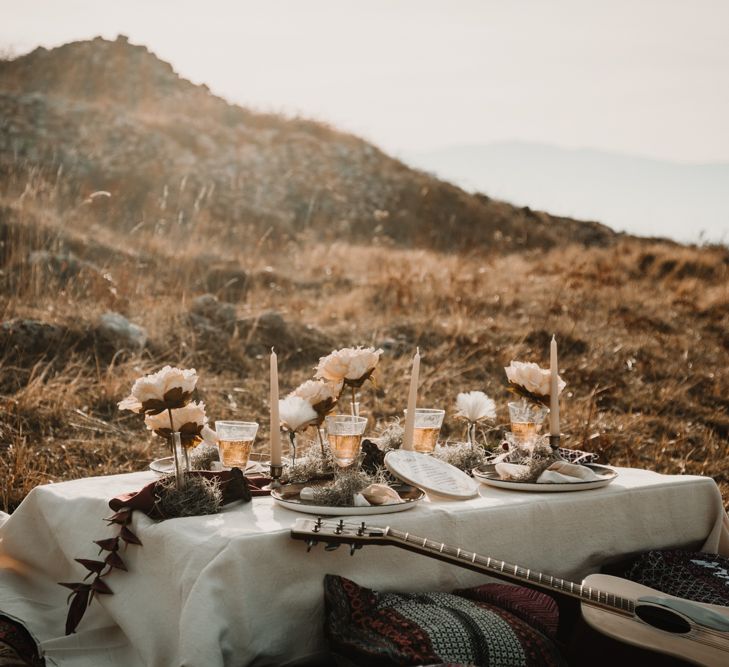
345, 437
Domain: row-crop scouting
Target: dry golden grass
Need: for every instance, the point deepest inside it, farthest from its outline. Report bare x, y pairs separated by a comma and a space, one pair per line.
643, 327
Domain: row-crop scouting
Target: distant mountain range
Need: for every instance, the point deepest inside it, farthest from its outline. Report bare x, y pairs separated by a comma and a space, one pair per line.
110, 115
685, 202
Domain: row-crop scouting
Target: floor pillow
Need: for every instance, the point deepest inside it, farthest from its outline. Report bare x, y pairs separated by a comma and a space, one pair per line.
697, 576
494, 625
17, 647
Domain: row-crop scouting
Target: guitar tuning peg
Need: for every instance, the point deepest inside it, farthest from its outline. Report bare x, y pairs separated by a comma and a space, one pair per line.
311, 543
318, 522
354, 547
361, 529
332, 547
340, 527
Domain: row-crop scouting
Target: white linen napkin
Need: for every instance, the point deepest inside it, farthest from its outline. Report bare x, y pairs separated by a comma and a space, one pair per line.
560, 472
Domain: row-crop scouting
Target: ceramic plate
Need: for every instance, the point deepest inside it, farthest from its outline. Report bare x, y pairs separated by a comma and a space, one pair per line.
487, 475
431, 474
165, 466
288, 496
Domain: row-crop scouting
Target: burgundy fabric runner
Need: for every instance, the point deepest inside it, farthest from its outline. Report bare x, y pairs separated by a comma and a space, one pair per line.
233, 484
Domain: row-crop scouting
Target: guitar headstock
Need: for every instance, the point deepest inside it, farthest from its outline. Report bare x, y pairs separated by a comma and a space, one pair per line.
335, 532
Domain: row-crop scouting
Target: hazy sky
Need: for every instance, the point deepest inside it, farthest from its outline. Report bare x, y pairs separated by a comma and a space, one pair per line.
647, 77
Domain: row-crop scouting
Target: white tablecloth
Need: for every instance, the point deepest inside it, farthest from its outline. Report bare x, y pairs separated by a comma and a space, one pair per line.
234, 589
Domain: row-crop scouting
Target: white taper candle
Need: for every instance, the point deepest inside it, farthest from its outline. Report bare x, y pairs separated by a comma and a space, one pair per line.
275, 421
553, 389
407, 442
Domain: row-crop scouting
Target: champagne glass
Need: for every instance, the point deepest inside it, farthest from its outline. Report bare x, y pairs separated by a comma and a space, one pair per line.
345, 437
235, 442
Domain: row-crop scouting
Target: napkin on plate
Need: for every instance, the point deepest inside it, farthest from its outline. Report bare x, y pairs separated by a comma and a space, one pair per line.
560, 472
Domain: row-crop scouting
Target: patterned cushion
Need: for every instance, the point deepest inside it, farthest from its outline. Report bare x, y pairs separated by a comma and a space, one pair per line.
17, 648
495, 624
694, 576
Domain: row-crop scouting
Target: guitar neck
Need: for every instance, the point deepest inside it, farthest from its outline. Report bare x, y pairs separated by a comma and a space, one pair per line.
500, 568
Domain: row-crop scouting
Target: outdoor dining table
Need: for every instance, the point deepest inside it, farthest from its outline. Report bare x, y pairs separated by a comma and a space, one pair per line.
233, 588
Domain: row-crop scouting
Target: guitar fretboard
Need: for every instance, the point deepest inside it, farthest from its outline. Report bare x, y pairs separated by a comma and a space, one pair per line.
508, 570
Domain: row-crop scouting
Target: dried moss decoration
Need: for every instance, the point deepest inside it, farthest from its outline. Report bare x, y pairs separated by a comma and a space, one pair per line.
199, 496
316, 465
392, 436
536, 460
341, 492
203, 457
462, 455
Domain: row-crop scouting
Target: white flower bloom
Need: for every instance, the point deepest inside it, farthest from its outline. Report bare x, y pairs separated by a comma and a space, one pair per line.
192, 413
169, 385
209, 436
350, 364
532, 378
296, 412
317, 391
475, 406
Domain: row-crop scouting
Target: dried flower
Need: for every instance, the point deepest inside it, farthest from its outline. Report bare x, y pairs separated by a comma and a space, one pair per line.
475, 406
531, 381
296, 413
322, 396
350, 365
167, 389
189, 420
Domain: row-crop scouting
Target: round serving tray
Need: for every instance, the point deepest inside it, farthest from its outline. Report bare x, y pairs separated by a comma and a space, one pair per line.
487, 475
288, 497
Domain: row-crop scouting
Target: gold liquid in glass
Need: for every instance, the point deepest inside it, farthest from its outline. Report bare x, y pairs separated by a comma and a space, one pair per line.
424, 439
345, 448
235, 453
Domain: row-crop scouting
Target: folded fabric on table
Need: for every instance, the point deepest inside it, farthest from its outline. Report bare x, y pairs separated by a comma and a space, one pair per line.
233, 485
564, 472
559, 472
493, 624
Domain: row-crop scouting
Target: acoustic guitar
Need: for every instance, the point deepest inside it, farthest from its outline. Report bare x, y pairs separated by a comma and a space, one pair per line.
621, 609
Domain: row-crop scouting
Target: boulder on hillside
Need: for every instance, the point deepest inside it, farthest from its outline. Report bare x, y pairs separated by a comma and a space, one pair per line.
209, 307
117, 331
226, 281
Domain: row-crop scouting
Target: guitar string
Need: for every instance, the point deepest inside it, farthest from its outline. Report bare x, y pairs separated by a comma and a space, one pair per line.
619, 604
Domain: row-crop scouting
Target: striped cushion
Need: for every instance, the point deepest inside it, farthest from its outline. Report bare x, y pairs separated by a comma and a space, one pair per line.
697, 576
17, 647
495, 624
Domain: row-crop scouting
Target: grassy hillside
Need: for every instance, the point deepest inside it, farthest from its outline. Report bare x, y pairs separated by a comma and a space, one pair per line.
643, 325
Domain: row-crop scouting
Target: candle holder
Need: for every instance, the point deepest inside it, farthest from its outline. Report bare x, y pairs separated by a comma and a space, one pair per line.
554, 441
276, 472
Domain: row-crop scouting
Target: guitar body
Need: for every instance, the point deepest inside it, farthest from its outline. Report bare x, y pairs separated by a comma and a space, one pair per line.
692, 631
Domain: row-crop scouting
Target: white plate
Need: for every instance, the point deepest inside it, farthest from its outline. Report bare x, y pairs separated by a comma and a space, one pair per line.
288, 497
166, 466
431, 474
487, 475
